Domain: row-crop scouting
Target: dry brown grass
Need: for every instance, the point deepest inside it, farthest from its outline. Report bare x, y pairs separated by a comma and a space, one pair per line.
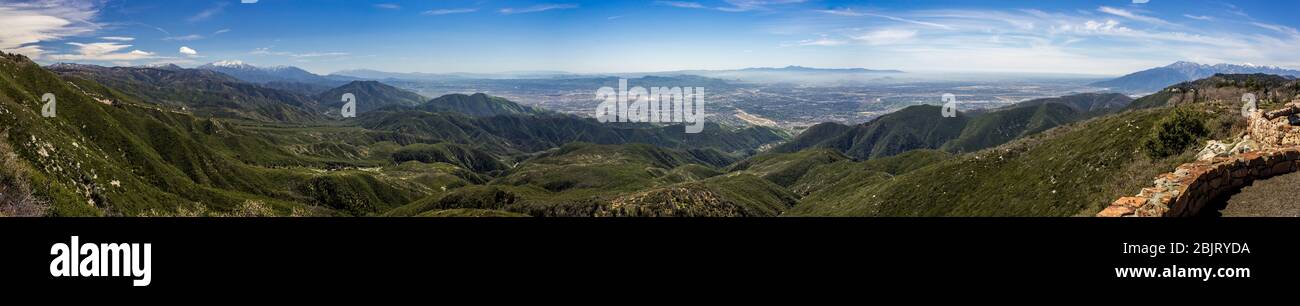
16, 198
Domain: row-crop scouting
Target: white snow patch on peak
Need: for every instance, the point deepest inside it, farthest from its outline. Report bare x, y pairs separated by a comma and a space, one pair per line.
230, 63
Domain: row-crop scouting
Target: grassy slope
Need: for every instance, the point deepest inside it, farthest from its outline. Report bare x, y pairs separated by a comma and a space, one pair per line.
202, 92
371, 95
1063, 172
131, 158
786, 168
999, 127
922, 127
478, 105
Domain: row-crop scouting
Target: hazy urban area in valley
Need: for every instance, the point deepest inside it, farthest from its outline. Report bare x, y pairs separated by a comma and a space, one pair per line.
778, 97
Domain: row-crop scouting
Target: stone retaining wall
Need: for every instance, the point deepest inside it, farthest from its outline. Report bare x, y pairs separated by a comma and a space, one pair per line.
1271, 147
1187, 190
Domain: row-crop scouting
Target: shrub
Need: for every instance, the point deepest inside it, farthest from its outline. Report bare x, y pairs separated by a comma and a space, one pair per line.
16, 197
1175, 133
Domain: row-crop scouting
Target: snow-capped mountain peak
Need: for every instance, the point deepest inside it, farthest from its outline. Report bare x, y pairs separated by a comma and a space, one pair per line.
231, 64
250, 73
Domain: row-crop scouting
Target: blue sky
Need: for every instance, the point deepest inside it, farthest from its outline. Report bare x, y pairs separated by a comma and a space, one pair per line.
323, 36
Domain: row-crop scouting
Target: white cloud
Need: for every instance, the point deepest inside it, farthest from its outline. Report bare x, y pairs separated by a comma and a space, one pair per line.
821, 42
886, 37
841, 12
1065, 41
117, 38
752, 5
852, 13
187, 51
208, 13
439, 12
1279, 28
190, 37
537, 8
102, 51
1201, 18
1110, 25
219, 32
24, 25
268, 51
1134, 16
682, 4
388, 6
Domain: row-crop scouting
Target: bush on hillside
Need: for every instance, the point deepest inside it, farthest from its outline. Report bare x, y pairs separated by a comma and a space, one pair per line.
1175, 133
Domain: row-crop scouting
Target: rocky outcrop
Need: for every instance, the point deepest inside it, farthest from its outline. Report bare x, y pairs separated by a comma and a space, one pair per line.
1270, 147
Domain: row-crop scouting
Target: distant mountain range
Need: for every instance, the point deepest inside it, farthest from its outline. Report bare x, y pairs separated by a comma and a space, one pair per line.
1155, 79
254, 74
756, 73
370, 74
823, 70
202, 92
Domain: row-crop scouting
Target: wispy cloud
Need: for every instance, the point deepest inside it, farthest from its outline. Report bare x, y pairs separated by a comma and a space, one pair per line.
753, 5
1134, 16
117, 38
439, 12
268, 51
24, 25
823, 42
1201, 18
102, 51
1276, 27
886, 36
682, 4
852, 13
537, 8
191, 37
842, 12
208, 13
388, 6
1086, 41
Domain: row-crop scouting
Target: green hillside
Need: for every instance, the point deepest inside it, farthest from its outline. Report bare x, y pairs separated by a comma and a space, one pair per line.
923, 127
1073, 170
786, 168
478, 105
137, 147
201, 92
507, 135
371, 95
915, 127
132, 145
